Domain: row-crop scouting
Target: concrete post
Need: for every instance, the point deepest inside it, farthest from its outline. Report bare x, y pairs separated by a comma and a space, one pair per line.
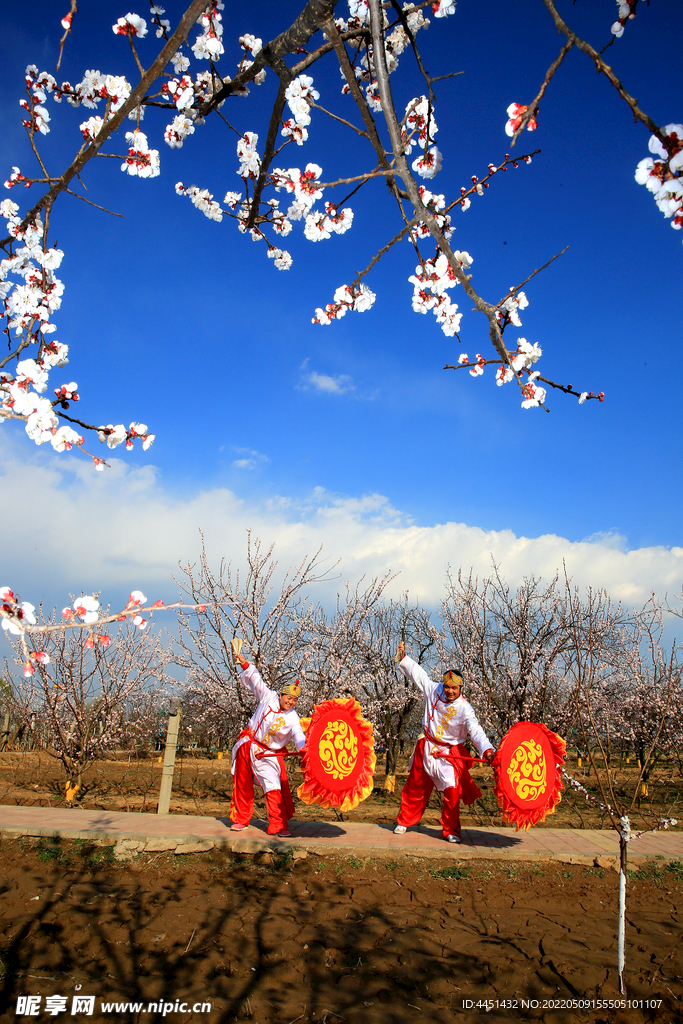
4, 735
169, 757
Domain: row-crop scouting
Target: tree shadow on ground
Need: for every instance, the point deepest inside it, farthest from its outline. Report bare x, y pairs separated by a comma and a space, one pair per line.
283, 940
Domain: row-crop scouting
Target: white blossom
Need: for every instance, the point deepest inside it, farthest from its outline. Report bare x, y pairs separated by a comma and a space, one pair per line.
131, 25
250, 161
202, 199
180, 62
177, 131
64, 438
116, 436
141, 161
87, 608
299, 94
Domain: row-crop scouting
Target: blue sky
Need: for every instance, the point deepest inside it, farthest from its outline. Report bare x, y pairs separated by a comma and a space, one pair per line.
353, 435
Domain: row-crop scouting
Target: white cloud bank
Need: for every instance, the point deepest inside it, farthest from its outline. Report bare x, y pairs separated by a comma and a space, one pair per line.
68, 529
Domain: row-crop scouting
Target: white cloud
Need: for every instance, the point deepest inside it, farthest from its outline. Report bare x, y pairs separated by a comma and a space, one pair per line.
68, 529
250, 458
339, 385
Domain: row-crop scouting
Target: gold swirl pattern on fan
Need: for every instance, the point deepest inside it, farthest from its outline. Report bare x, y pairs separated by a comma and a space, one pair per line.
527, 770
338, 750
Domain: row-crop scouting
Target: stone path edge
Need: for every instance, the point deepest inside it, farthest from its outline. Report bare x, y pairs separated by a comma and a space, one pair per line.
276, 845
175, 831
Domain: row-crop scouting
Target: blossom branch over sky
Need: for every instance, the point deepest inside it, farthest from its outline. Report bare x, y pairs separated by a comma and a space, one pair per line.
373, 45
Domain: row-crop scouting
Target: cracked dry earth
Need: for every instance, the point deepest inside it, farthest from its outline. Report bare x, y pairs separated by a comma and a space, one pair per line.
330, 942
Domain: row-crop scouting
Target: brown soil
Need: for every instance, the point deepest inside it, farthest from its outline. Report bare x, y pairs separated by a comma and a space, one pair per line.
203, 786
331, 941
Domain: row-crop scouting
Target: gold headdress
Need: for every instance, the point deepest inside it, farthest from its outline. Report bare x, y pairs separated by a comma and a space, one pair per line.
293, 689
452, 678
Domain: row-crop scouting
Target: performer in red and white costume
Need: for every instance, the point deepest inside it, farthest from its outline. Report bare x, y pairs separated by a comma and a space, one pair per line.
440, 759
271, 727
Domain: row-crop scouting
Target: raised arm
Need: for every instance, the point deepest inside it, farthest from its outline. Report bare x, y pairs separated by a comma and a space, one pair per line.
414, 672
250, 677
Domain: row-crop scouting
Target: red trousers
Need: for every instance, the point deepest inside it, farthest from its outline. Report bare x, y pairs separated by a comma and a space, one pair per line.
416, 794
278, 801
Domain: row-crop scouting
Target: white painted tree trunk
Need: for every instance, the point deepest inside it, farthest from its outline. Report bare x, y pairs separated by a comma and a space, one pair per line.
623, 859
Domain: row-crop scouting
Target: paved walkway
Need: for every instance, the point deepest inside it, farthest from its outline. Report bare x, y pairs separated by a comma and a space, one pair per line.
175, 831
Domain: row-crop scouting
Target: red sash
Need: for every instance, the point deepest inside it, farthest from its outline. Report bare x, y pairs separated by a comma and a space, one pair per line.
279, 752
457, 755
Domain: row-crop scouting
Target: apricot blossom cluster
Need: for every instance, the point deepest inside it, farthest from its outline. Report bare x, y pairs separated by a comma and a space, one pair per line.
663, 176
516, 112
430, 282
346, 299
16, 615
626, 13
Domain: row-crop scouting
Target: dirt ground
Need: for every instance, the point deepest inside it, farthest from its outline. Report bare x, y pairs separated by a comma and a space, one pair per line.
334, 941
204, 785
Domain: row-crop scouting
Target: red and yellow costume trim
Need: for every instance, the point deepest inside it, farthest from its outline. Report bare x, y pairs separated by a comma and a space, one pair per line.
338, 760
528, 768
458, 755
279, 802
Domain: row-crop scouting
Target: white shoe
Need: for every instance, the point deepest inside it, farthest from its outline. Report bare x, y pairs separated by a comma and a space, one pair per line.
399, 830
453, 839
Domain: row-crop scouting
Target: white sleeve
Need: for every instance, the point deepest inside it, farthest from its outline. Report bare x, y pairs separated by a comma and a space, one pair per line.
479, 737
251, 679
298, 734
414, 673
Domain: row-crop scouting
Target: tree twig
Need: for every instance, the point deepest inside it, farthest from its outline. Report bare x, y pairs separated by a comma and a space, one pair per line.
68, 18
90, 203
513, 291
533, 106
605, 69
109, 126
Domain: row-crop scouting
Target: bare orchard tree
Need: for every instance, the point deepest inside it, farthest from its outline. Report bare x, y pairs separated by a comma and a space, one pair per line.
609, 662
333, 643
274, 624
209, 723
371, 675
642, 696
511, 646
84, 698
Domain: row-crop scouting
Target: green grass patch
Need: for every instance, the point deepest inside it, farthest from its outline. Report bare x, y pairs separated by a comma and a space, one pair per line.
282, 861
392, 865
676, 869
105, 855
355, 863
48, 849
640, 875
455, 871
